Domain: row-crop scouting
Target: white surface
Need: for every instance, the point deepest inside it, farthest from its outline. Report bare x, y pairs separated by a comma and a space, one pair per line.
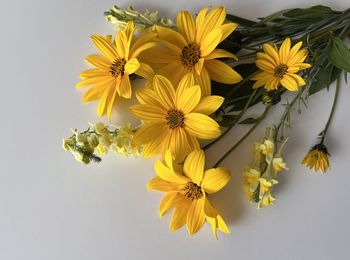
55, 208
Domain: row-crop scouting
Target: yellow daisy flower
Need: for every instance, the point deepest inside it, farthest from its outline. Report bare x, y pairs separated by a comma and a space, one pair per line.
281, 66
192, 49
187, 192
174, 119
317, 158
110, 77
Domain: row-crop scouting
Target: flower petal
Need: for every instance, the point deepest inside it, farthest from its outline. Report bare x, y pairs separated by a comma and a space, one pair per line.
188, 99
203, 80
195, 217
171, 37
98, 61
148, 112
220, 53
213, 20
143, 43
272, 52
167, 174
215, 179
227, 29
289, 83
112, 98
208, 105
194, 166
169, 201
165, 91
131, 66
180, 214
186, 26
160, 185
148, 96
210, 42
124, 89
105, 46
284, 50
145, 71
209, 210
148, 132
201, 126
221, 72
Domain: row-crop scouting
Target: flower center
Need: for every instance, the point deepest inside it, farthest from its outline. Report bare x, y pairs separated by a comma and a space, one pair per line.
190, 55
117, 67
193, 191
280, 70
175, 118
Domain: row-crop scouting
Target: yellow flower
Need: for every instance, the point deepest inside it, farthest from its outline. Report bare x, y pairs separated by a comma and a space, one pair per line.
267, 147
174, 119
268, 200
281, 66
110, 77
317, 158
192, 49
265, 185
187, 192
279, 164
251, 175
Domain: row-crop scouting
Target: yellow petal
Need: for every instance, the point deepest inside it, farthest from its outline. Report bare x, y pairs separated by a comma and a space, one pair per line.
272, 52
165, 91
194, 166
92, 81
289, 83
220, 53
199, 66
213, 20
284, 51
265, 65
96, 91
169, 201
167, 174
121, 42
186, 26
169, 158
300, 81
112, 98
148, 112
222, 225
160, 185
210, 42
100, 62
195, 217
188, 99
148, 96
221, 72
101, 109
105, 46
215, 179
192, 142
145, 71
213, 224
180, 214
179, 144
94, 73
203, 80
200, 23
156, 145
208, 105
201, 126
186, 82
124, 89
148, 132
209, 210
294, 50
227, 29
171, 36
131, 66
142, 43
266, 57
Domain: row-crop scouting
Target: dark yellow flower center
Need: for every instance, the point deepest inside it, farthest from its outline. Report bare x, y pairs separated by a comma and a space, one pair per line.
190, 55
117, 67
193, 191
280, 70
175, 118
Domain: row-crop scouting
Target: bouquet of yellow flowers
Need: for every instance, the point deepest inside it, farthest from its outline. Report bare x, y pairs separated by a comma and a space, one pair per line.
201, 74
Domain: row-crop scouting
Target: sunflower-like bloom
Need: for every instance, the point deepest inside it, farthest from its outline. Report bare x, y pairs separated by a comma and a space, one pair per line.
187, 192
192, 49
174, 119
110, 77
281, 66
317, 158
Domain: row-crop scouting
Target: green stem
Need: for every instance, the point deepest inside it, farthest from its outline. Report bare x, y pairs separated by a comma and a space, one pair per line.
261, 118
237, 120
336, 95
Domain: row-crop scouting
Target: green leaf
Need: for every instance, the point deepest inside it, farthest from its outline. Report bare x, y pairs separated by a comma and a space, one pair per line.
324, 78
248, 121
318, 9
339, 54
228, 120
240, 20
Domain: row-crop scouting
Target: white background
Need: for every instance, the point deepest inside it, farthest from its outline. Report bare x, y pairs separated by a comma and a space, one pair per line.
53, 208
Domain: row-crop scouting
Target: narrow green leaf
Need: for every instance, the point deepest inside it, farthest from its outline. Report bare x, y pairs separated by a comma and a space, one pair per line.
228, 120
240, 20
339, 54
248, 121
324, 78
